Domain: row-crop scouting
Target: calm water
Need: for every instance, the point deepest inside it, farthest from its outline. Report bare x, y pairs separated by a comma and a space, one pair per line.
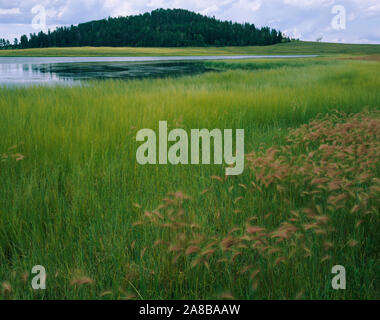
74, 70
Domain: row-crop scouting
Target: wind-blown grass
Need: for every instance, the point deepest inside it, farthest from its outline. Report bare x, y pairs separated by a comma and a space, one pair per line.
72, 189
314, 198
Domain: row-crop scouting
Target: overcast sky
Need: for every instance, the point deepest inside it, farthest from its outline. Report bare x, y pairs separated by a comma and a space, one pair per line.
303, 19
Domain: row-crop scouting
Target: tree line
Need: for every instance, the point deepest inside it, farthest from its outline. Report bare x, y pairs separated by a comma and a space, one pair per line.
5, 44
160, 28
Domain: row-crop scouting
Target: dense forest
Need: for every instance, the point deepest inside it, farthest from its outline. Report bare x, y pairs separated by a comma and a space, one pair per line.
160, 28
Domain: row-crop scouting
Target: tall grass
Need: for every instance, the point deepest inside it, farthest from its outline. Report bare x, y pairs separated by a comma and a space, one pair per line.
71, 190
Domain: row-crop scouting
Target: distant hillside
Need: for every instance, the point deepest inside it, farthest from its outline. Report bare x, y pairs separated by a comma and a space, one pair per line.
160, 28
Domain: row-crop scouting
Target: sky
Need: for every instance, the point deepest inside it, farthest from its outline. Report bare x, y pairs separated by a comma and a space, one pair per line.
346, 21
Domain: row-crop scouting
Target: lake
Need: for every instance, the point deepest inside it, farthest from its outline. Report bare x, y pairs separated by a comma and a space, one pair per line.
75, 70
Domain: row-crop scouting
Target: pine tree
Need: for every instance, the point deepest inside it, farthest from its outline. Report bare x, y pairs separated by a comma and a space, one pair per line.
160, 28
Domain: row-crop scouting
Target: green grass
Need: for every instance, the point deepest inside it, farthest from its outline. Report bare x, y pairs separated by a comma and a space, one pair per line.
70, 203
295, 47
264, 64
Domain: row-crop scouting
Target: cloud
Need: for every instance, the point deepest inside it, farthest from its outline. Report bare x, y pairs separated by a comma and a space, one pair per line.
214, 8
248, 5
10, 11
307, 4
374, 9
304, 19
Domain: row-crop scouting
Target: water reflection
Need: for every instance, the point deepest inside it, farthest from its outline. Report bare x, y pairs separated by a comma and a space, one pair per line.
75, 70
122, 70
76, 73
19, 74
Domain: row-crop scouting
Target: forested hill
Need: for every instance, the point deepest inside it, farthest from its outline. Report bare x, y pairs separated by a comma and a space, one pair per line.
160, 28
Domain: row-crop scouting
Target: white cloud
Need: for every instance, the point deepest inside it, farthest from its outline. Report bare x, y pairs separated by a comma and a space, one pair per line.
119, 8
249, 4
10, 11
293, 33
210, 10
304, 19
374, 9
309, 3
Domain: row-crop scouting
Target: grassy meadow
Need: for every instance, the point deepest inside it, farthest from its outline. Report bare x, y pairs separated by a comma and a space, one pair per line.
294, 47
74, 199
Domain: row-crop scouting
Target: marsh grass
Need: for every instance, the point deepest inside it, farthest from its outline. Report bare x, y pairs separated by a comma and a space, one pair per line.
266, 64
72, 200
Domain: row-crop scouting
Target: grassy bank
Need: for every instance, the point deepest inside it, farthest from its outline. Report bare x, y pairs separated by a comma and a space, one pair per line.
74, 199
296, 47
